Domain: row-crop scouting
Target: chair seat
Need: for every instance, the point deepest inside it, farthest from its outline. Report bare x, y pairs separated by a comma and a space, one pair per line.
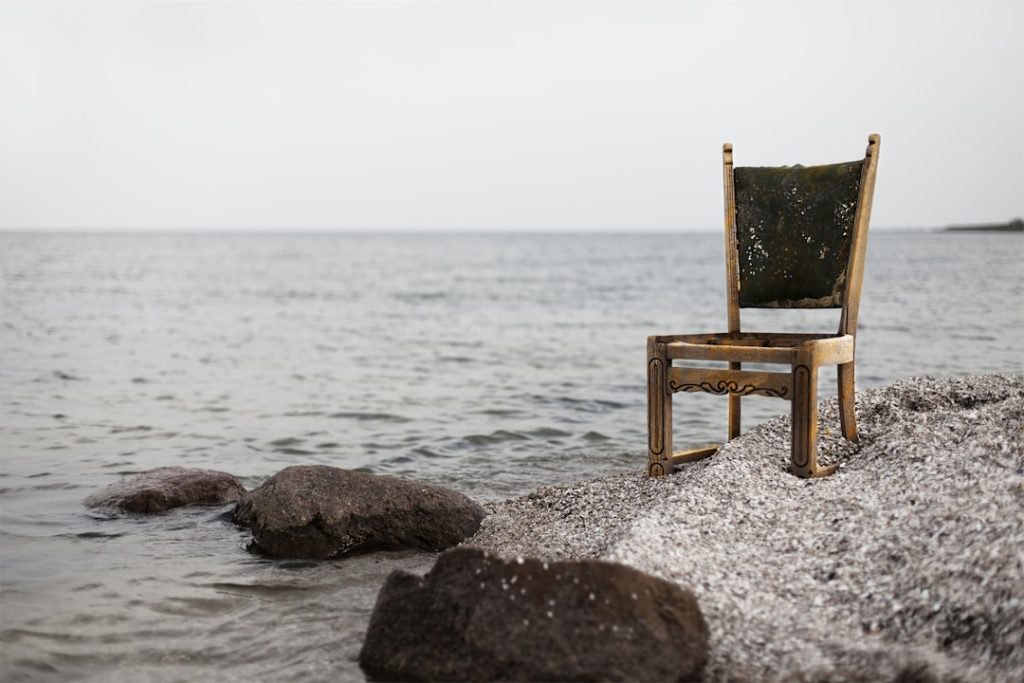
759, 347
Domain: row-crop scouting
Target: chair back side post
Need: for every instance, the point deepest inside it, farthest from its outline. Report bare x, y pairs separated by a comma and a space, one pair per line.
732, 265
858, 250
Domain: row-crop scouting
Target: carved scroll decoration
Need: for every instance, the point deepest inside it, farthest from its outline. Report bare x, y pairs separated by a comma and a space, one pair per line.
725, 386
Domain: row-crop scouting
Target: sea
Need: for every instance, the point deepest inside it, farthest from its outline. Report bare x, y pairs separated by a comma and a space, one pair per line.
490, 363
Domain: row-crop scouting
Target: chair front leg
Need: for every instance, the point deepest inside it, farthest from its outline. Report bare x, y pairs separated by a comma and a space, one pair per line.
659, 410
804, 412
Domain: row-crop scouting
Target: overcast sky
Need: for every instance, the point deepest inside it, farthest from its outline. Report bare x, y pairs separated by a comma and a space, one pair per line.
496, 115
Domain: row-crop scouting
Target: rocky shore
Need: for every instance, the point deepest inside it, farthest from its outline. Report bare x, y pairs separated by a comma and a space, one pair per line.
907, 564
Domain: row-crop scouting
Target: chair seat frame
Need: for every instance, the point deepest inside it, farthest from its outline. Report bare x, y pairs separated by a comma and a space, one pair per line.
802, 355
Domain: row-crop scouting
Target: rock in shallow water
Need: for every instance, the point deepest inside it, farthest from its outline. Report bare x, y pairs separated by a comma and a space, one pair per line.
165, 488
321, 512
475, 617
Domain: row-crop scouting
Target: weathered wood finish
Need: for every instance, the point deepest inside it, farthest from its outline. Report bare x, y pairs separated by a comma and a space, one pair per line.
858, 250
694, 454
761, 348
804, 412
734, 406
733, 353
732, 263
732, 279
803, 353
659, 410
847, 393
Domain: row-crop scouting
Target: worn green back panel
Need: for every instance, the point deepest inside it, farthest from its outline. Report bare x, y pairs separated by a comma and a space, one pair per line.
794, 226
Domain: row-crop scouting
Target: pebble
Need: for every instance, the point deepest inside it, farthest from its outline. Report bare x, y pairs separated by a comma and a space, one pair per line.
923, 522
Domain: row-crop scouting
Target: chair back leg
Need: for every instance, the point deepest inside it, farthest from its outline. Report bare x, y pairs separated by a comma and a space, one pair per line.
847, 406
734, 407
659, 411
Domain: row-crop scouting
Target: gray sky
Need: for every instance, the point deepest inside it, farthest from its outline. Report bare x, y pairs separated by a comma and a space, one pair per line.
496, 115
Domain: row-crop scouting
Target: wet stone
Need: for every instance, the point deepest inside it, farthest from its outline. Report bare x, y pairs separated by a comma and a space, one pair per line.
165, 488
476, 617
322, 512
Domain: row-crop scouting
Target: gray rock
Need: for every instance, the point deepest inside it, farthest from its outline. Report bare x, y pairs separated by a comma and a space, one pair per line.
164, 488
321, 512
475, 617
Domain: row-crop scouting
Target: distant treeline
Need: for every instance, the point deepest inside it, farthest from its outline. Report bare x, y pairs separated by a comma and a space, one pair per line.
1016, 225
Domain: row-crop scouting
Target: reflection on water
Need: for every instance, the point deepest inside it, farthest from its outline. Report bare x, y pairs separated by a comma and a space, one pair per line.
489, 363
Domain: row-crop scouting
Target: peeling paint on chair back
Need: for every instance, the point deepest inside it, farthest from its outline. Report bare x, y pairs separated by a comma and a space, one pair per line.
794, 229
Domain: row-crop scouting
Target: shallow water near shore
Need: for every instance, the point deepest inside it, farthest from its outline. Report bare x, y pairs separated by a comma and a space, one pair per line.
489, 363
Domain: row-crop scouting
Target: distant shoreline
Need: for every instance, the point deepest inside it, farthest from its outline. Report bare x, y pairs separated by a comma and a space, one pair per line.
1016, 225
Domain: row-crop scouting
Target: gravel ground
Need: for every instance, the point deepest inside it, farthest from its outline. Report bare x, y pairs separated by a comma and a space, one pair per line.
905, 565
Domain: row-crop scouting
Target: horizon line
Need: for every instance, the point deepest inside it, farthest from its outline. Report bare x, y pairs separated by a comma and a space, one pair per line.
394, 230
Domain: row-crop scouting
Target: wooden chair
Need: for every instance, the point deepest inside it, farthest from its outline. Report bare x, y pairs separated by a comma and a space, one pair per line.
795, 237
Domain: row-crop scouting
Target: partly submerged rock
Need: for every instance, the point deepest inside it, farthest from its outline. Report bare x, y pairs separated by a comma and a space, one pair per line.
321, 512
164, 488
475, 617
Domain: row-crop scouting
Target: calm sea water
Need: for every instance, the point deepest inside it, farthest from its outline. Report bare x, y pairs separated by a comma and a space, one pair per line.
492, 364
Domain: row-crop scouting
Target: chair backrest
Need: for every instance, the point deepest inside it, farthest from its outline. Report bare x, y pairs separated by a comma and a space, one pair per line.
795, 236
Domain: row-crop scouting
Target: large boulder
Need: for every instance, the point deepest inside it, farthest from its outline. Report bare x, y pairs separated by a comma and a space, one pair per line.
165, 488
475, 617
321, 512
